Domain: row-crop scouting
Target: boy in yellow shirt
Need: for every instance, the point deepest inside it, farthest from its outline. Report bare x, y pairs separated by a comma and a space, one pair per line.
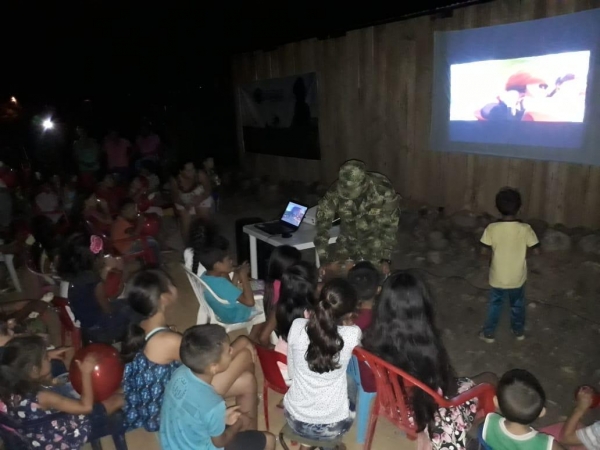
509, 239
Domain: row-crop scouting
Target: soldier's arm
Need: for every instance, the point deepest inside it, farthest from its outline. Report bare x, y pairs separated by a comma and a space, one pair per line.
325, 216
388, 225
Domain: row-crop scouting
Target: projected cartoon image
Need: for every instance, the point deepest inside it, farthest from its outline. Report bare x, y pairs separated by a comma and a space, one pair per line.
548, 88
294, 214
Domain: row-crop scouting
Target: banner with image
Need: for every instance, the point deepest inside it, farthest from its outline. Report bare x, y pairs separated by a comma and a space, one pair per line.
280, 116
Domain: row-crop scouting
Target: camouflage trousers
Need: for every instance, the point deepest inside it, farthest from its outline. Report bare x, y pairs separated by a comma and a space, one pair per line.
365, 248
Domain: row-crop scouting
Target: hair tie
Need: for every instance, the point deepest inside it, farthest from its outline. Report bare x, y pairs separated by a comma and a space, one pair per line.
325, 304
96, 244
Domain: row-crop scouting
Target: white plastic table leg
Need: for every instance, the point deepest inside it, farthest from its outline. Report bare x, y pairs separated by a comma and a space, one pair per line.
253, 258
64, 289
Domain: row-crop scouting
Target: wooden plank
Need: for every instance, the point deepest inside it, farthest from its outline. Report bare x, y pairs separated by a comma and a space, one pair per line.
375, 88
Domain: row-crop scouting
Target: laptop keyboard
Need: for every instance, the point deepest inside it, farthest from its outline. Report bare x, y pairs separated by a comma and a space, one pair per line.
274, 228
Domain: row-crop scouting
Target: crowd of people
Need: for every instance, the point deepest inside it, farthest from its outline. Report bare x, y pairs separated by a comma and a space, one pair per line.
177, 384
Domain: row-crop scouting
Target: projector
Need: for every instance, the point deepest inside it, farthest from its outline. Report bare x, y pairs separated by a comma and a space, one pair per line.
311, 217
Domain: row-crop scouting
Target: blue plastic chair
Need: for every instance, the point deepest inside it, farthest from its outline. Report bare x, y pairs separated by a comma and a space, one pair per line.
482, 444
365, 399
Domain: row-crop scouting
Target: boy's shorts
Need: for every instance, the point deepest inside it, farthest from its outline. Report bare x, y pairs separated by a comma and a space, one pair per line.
248, 440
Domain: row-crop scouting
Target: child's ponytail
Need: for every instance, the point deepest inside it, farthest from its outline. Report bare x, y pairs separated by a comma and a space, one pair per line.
201, 236
337, 300
143, 295
133, 343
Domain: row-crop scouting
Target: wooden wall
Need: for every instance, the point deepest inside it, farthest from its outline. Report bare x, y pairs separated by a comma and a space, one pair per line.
375, 105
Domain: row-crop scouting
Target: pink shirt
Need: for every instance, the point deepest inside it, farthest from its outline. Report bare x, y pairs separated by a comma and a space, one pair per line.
282, 346
148, 145
276, 290
117, 153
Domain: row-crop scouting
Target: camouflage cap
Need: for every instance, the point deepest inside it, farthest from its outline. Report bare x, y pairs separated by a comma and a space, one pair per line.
352, 179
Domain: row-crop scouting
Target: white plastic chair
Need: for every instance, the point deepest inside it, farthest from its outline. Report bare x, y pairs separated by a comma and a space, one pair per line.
9, 260
207, 315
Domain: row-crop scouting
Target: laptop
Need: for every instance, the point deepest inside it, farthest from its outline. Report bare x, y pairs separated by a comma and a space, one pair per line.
288, 223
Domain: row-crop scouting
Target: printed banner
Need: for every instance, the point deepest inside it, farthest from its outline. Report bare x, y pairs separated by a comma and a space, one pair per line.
280, 116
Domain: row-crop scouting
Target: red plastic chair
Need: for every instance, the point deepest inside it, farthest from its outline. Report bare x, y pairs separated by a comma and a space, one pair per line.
68, 329
273, 379
394, 388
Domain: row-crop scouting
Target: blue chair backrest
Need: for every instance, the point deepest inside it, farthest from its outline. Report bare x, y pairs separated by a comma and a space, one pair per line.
482, 444
354, 371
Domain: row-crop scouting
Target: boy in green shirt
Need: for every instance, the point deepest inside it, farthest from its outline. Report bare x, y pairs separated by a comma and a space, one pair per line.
521, 400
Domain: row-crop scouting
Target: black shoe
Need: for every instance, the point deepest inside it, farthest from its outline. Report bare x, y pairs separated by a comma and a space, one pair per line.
519, 336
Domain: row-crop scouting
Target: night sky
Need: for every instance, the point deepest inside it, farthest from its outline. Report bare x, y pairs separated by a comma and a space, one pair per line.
102, 64
97, 47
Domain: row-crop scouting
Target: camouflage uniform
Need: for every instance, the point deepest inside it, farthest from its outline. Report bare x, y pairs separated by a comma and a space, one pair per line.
367, 205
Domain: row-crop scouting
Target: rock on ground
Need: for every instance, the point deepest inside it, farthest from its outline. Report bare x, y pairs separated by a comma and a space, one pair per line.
465, 220
555, 241
590, 244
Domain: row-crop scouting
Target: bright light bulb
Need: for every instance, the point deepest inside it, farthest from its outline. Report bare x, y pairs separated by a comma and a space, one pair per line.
48, 124
13, 99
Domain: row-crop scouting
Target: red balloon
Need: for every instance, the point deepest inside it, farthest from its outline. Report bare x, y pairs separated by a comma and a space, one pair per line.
9, 177
107, 375
151, 225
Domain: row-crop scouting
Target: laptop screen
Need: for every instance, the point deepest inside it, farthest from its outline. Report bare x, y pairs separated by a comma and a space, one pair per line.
294, 214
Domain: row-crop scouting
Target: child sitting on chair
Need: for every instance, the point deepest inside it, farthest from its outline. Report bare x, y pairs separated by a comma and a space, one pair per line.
60, 358
30, 396
47, 202
209, 259
281, 259
236, 291
94, 286
111, 193
521, 400
366, 279
148, 171
94, 211
321, 401
193, 414
126, 227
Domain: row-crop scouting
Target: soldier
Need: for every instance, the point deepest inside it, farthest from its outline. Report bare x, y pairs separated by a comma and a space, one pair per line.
367, 205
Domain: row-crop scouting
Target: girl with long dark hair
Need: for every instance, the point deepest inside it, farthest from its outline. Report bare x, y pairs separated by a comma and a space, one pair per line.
297, 300
150, 350
151, 353
281, 258
404, 333
95, 282
321, 401
297, 296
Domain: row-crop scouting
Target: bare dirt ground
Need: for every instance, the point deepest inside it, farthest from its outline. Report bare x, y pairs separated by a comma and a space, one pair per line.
563, 289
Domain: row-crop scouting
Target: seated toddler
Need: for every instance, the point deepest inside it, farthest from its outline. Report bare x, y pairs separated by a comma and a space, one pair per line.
126, 228
236, 291
521, 400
